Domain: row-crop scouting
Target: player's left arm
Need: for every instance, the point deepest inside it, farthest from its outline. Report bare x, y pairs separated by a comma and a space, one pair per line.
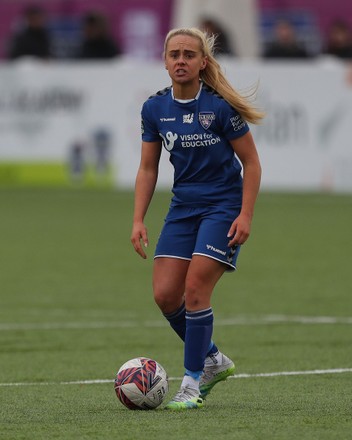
245, 149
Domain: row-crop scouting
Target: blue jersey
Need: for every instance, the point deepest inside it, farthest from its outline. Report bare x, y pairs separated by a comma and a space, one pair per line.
197, 135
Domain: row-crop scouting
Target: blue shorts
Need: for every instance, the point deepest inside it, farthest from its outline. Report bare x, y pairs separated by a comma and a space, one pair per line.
191, 231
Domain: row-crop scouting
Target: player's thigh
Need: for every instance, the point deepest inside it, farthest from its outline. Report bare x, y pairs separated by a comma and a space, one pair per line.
202, 275
169, 275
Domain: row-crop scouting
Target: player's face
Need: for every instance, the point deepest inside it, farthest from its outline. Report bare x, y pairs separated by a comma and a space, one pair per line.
184, 59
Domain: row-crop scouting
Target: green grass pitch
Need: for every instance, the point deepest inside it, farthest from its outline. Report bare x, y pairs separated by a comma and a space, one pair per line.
76, 303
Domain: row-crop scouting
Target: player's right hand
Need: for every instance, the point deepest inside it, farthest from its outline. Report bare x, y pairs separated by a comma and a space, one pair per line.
139, 235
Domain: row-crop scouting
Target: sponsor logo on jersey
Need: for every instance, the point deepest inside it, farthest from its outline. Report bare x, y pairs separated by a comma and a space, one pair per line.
169, 140
206, 118
237, 123
189, 140
199, 140
188, 119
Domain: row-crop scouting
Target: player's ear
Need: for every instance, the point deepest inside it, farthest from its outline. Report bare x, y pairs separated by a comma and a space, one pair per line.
204, 63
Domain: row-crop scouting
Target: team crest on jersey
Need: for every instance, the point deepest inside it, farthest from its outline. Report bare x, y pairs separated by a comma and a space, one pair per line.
206, 118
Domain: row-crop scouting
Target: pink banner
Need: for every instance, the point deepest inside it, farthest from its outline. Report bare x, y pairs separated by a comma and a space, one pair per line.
138, 26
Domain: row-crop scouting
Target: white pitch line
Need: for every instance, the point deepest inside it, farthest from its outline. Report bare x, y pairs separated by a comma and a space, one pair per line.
292, 373
237, 320
236, 376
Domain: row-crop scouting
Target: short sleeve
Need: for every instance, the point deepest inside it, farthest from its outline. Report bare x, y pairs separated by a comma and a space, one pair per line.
149, 129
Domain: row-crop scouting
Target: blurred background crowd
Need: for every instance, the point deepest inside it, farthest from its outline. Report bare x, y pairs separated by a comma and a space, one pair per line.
87, 29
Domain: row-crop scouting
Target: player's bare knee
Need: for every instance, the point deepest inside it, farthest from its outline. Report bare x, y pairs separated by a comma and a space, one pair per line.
197, 294
193, 303
166, 302
193, 297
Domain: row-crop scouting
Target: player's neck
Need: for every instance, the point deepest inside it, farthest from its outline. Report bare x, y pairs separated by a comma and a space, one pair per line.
186, 91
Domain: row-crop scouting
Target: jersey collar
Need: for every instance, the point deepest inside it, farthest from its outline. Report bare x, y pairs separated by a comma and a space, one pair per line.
186, 101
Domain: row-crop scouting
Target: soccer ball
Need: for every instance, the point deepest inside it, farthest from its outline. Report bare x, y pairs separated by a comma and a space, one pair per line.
141, 383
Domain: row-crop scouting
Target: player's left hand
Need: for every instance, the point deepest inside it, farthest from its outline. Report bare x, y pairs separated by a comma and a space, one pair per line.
239, 230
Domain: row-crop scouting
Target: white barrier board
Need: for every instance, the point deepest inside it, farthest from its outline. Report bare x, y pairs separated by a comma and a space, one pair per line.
304, 142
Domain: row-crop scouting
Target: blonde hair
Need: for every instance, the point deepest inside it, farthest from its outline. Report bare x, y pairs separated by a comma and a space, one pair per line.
213, 76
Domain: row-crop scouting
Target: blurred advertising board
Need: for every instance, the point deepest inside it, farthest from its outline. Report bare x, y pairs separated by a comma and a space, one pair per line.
79, 124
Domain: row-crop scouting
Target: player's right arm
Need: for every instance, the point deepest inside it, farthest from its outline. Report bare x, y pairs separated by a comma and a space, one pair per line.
146, 179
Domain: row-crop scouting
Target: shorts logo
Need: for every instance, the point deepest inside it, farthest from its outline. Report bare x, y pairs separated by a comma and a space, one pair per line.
206, 118
169, 140
212, 248
232, 253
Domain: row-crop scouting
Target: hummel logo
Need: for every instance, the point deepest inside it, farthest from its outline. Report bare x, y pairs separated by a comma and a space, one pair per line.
212, 248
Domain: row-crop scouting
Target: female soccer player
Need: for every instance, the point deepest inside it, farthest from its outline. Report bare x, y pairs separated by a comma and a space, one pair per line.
202, 122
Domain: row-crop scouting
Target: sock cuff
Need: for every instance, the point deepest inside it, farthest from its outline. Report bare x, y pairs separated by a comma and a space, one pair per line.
199, 314
194, 374
180, 311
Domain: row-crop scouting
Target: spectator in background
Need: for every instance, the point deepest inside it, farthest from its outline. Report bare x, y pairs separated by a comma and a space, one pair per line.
339, 40
97, 42
211, 27
285, 44
32, 39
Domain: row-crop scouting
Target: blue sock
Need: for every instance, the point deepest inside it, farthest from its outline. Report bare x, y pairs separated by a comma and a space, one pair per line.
212, 349
195, 374
199, 328
177, 321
